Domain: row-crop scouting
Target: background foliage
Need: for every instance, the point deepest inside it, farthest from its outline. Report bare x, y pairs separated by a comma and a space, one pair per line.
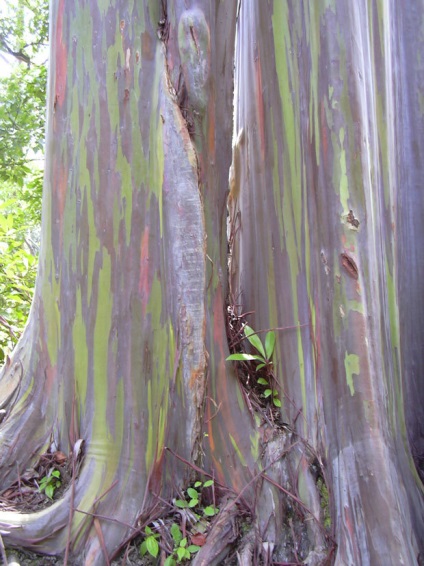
23, 48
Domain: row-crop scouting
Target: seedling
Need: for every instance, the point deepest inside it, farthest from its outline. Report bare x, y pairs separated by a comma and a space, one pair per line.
182, 551
265, 352
50, 483
194, 497
150, 544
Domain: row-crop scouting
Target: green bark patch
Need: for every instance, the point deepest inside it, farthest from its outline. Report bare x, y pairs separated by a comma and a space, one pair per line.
351, 363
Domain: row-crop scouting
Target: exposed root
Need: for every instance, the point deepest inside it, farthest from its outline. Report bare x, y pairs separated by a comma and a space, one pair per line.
220, 538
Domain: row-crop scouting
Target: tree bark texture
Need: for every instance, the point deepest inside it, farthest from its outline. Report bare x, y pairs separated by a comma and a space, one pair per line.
328, 97
126, 343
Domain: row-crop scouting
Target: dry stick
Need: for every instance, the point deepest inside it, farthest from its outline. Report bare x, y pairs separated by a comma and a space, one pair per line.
195, 468
3, 552
218, 408
81, 526
101, 539
137, 530
105, 518
104, 493
164, 501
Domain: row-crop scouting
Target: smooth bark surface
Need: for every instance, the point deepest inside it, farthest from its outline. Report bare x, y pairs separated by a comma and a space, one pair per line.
126, 344
325, 212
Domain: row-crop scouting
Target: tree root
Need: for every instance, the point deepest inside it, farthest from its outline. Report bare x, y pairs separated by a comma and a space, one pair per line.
221, 537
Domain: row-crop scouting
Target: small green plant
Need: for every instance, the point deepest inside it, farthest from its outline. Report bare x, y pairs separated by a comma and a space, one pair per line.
194, 497
150, 543
182, 550
264, 357
198, 517
50, 483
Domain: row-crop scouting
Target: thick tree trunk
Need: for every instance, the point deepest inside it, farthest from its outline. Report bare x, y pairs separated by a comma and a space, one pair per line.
126, 344
324, 192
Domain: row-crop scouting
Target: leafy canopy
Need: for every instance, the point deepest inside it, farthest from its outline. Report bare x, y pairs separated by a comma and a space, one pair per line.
23, 47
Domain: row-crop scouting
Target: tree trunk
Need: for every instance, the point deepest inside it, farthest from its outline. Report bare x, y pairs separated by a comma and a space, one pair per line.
126, 344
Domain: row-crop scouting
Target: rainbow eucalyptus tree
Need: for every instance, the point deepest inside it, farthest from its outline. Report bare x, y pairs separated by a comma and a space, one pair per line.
126, 343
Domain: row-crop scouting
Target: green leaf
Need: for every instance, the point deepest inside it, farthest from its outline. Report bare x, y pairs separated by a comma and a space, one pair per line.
152, 546
181, 503
143, 548
262, 381
198, 484
276, 402
49, 491
243, 357
192, 493
208, 483
210, 511
170, 561
183, 542
56, 473
182, 553
193, 503
148, 530
267, 393
260, 366
254, 340
176, 533
193, 548
269, 344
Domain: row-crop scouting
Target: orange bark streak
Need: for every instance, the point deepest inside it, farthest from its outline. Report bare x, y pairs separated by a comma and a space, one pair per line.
61, 58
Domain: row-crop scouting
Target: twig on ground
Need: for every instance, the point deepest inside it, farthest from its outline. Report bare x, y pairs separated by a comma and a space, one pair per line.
101, 540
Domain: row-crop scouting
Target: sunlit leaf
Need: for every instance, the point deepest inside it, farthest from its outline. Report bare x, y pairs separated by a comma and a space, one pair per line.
193, 548
182, 553
192, 493
243, 357
176, 533
152, 546
254, 340
269, 344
